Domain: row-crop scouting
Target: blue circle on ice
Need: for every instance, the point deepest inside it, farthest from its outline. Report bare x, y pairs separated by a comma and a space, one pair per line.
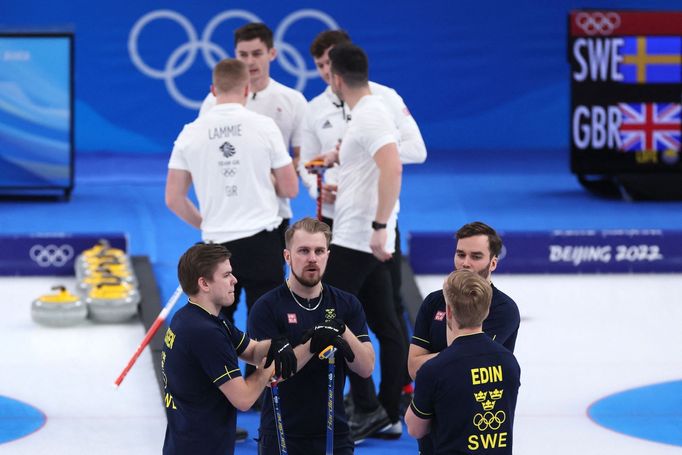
651, 412
18, 419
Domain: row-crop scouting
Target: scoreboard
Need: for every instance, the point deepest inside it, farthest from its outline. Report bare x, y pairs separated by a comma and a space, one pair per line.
626, 92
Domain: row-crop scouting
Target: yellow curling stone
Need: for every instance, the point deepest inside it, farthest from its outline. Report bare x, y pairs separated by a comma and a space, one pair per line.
60, 309
112, 301
90, 275
82, 265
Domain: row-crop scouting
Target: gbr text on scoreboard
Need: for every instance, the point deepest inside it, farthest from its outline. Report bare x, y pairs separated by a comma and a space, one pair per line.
598, 60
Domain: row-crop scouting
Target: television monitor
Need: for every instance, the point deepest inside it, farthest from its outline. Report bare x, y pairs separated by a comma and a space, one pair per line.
36, 113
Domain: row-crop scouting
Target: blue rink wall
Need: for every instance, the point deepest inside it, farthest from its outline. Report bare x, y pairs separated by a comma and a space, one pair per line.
588, 251
465, 69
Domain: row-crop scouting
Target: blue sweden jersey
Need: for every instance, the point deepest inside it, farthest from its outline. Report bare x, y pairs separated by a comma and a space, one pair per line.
469, 392
304, 395
502, 323
199, 355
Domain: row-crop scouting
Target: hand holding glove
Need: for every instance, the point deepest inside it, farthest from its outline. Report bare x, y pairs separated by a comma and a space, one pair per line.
329, 333
344, 348
323, 334
284, 357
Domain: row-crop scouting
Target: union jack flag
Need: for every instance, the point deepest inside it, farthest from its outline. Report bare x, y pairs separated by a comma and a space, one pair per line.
649, 126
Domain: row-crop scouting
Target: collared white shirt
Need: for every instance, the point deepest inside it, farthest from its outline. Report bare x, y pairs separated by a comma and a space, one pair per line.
230, 152
357, 198
286, 107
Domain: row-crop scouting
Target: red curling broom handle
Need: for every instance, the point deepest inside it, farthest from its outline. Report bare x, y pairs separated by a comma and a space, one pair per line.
319, 196
160, 319
317, 167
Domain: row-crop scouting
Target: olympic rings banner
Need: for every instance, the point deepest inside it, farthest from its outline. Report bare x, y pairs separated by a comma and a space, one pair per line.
475, 75
49, 254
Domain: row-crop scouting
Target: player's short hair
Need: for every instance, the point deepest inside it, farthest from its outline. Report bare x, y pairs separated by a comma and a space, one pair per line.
230, 75
201, 260
469, 296
327, 39
479, 228
310, 225
254, 30
350, 62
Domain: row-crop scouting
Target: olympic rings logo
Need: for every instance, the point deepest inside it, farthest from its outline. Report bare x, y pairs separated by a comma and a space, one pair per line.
597, 23
489, 420
288, 57
51, 255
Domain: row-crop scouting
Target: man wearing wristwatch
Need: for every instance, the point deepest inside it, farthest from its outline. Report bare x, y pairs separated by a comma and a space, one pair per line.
369, 179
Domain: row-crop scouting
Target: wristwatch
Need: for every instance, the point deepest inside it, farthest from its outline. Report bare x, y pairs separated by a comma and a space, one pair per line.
376, 226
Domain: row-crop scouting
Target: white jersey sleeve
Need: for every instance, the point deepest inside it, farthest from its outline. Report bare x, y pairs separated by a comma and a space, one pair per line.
310, 148
177, 159
279, 157
412, 148
300, 107
378, 132
310, 143
297, 140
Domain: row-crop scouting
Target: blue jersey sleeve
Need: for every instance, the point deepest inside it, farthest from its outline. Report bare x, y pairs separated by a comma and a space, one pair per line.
217, 357
422, 326
502, 324
356, 320
424, 386
238, 338
262, 324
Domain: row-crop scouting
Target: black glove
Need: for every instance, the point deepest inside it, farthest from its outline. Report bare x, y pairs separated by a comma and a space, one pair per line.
323, 334
343, 347
284, 357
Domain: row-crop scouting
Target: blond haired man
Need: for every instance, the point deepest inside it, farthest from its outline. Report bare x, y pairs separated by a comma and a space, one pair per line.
470, 388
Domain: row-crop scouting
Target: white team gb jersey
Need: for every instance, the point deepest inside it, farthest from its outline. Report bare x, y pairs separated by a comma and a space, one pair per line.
326, 121
286, 107
358, 176
230, 152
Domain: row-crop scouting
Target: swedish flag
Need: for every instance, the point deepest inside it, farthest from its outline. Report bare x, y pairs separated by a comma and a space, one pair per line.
651, 60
